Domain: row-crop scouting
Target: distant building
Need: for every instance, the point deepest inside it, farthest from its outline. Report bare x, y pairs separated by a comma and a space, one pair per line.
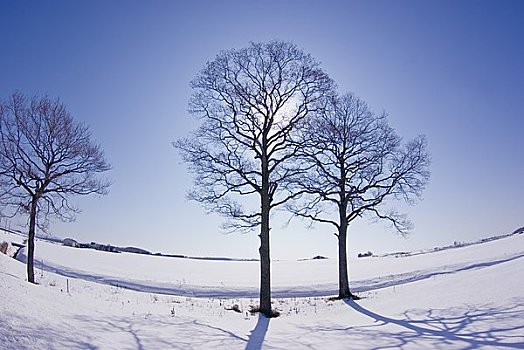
70, 243
103, 247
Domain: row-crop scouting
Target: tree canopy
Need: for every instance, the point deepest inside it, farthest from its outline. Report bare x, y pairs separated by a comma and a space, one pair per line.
250, 103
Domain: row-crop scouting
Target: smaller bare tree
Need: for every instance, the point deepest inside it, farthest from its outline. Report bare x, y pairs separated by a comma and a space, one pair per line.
45, 158
356, 163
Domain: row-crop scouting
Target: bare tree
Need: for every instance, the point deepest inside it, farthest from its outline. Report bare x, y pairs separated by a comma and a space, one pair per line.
356, 162
250, 102
45, 158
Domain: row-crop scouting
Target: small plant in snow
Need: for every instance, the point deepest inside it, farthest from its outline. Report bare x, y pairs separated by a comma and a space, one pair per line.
235, 308
352, 297
255, 309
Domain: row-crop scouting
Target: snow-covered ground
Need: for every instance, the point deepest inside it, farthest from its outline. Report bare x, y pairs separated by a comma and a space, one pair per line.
462, 298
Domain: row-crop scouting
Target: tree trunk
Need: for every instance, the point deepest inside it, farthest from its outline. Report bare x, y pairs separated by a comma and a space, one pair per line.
343, 279
31, 242
265, 260
265, 263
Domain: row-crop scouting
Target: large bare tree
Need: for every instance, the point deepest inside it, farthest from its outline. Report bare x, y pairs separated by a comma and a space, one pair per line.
45, 158
250, 102
356, 163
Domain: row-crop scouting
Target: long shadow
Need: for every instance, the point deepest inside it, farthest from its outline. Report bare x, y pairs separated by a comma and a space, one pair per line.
379, 283
167, 288
445, 329
188, 333
19, 332
171, 288
222, 330
256, 338
112, 325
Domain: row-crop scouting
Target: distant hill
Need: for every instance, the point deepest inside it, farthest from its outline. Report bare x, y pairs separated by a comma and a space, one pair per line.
134, 250
519, 230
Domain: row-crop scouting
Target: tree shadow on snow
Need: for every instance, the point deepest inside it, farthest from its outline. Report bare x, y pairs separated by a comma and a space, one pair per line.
18, 332
162, 332
114, 326
471, 327
256, 338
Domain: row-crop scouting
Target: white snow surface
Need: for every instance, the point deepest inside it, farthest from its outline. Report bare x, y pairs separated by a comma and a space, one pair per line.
462, 298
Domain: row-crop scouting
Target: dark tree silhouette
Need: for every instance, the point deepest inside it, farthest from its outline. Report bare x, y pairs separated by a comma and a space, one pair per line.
45, 158
250, 102
356, 162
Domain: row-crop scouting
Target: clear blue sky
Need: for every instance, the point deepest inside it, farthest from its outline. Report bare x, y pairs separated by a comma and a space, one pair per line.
453, 70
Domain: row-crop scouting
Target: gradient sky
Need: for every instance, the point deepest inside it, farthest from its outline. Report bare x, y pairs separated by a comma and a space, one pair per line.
453, 70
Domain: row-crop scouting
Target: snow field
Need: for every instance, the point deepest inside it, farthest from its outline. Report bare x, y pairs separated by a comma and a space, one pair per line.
463, 298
